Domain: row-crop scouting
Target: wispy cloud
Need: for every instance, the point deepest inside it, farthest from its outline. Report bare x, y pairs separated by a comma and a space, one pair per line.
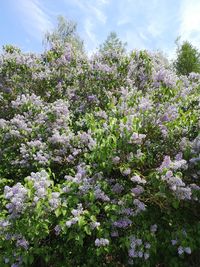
91, 9
149, 24
34, 18
190, 21
88, 26
154, 29
93, 16
98, 13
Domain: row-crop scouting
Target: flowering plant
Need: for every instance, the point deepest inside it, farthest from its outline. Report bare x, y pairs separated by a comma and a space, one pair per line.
99, 160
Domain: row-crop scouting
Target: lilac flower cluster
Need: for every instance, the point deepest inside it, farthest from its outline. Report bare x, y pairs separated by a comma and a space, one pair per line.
154, 228
94, 225
4, 224
116, 160
126, 171
145, 104
173, 165
138, 190
181, 250
117, 188
27, 99
177, 185
165, 76
41, 183
101, 242
122, 223
18, 124
171, 113
35, 150
86, 139
17, 196
138, 248
140, 206
137, 179
76, 214
54, 200
57, 229
22, 242
137, 138
99, 194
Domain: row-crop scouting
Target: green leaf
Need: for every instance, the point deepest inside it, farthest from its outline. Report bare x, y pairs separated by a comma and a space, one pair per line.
58, 212
64, 212
87, 229
81, 221
175, 204
93, 218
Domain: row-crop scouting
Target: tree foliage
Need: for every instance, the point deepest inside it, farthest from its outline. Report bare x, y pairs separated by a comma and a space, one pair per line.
64, 32
111, 43
188, 59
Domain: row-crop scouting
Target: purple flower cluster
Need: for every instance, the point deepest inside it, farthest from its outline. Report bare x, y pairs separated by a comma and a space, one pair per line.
182, 250
177, 185
27, 99
140, 206
116, 160
122, 223
54, 200
138, 190
57, 229
17, 196
145, 104
173, 165
139, 249
41, 183
137, 138
166, 164
22, 242
117, 188
35, 150
99, 194
101, 242
76, 214
94, 225
154, 228
164, 76
137, 179
126, 171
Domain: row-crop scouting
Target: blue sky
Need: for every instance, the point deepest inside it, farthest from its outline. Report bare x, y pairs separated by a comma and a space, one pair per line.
143, 24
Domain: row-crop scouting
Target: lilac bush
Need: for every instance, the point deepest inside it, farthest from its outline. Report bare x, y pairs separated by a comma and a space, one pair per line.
99, 160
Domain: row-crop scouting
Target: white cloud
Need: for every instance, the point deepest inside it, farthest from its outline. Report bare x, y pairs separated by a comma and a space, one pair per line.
34, 18
98, 14
154, 29
143, 36
190, 21
92, 9
91, 13
148, 20
88, 27
134, 40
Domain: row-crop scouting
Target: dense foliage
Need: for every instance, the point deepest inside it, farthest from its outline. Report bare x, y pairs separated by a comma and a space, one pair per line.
188, 59
99, 160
